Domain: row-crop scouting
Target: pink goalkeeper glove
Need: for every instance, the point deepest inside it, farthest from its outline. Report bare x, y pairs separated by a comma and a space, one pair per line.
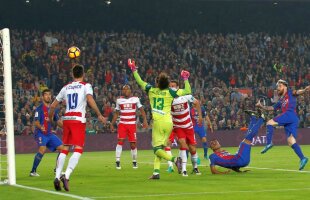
132, 65
185, 74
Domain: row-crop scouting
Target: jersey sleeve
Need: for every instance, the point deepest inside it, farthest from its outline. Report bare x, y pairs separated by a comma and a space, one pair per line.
61, 96
139, 105
189, 98
203, 112
187, 89
89, 89
277, 106
117, 107
144, 85
37, 114
212, 160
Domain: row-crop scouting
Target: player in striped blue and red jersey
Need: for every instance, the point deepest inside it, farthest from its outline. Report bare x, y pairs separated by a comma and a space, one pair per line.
234, 162
200, 129
43, 131
288, 118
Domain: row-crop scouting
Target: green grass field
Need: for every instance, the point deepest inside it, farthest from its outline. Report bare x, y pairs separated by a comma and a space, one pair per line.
273, 176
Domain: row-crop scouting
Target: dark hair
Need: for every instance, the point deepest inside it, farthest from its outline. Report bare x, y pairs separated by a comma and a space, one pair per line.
78, 71
163, 81
45, 91
175, 81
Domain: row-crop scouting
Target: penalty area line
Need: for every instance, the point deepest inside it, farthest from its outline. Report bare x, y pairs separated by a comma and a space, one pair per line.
200, 193
52, 192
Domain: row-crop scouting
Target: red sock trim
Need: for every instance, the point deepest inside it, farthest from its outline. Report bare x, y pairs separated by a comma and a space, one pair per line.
78, 150
193, 153
167, 149
65, 152
133, 148
183, 149
120, 143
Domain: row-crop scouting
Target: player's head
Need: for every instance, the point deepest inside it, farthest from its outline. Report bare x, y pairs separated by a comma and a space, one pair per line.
46, 96
126, 90
281, 87
162, 81
215, 145
174, 84
78, 71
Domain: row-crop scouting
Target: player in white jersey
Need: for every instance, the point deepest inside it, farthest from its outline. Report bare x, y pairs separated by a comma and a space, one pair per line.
76, 95
183, 127
126, 107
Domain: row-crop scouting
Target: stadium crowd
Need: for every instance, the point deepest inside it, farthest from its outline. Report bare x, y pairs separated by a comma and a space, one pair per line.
222, 67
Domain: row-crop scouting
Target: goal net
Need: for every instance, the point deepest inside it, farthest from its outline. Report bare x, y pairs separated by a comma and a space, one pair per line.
7, 151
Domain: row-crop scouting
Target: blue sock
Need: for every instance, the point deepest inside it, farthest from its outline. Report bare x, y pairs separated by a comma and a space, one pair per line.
253, 131
205, 149
253, 121
269, 134
187, 151
36, 162
298, 151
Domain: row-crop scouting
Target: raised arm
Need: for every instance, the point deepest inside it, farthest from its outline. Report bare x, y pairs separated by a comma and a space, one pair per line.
187, 89
215, 171
132, 66
301, 91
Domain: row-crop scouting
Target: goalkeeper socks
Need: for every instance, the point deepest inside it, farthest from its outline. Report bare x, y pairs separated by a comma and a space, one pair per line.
134, 154
156, 164
118, 152
269, 133
162, 154
184, 158
73, 161
60, 163
168, 151
298, 151
194, 158
36, 161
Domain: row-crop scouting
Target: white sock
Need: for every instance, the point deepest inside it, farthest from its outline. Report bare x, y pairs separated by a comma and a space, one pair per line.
60, 164
134, 154
184, 159
118, 152
170, 164
194, 158
73, 161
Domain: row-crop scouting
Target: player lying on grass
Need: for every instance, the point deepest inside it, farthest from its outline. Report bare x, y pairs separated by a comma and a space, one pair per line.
224, 159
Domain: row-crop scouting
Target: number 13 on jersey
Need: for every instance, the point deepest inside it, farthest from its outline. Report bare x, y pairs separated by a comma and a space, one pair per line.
158, 103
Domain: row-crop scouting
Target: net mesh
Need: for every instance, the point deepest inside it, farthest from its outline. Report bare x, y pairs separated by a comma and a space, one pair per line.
3, 144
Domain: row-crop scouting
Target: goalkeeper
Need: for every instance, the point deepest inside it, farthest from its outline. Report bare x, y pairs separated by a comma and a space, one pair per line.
161, 98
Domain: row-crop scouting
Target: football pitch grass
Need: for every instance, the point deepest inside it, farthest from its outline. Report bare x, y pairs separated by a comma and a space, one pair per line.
273, 175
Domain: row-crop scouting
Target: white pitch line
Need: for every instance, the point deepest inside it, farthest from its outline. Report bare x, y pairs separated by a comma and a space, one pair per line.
199, 193
53, 192
259, 168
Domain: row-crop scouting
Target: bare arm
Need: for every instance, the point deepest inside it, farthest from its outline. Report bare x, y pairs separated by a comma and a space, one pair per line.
59, 123
301, 91
145, 125
209, 122
215, 171
196, 104
115, 116
269, 108
39, 126
94, 106
52, 110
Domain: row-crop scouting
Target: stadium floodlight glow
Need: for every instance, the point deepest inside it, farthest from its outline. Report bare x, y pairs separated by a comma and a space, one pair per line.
108, 2
27, 1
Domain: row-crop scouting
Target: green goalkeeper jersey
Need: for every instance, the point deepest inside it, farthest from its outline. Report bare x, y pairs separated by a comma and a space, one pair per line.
161, 100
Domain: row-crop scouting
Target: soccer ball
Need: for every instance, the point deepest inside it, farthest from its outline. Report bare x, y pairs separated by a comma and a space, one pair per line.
74, 52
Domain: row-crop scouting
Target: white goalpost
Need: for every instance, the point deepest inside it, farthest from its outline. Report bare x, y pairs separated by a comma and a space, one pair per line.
7, 147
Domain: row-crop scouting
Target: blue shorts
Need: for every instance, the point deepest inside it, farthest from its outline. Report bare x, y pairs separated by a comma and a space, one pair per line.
200, 130
51, 141
290, 122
